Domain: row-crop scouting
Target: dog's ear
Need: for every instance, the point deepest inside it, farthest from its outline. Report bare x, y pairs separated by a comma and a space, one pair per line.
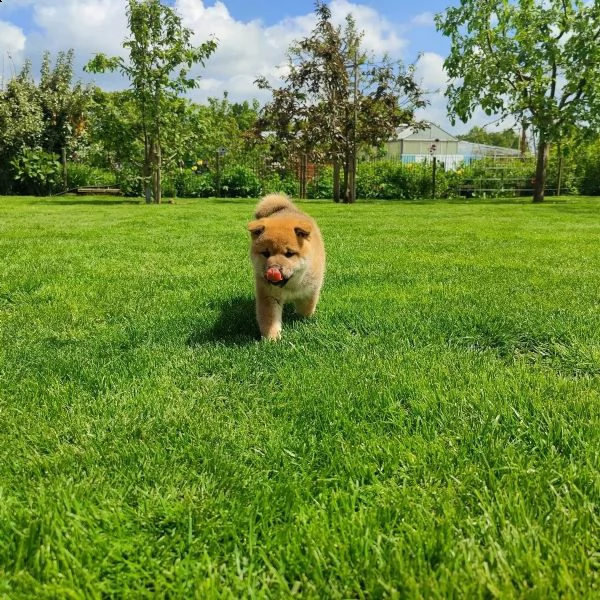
302, 230
256, 228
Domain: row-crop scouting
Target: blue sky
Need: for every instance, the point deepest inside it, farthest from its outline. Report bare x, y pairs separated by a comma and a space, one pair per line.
252, 35
397, 11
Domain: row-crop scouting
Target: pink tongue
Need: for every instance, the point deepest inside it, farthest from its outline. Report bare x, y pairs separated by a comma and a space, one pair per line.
274, 275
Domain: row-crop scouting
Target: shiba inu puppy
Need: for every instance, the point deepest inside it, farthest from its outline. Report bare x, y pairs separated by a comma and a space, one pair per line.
288, 257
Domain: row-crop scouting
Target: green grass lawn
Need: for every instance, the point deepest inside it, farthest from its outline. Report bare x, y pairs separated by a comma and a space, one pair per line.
433, 432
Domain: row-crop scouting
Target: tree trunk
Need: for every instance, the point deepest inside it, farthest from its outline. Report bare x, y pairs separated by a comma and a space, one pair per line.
147, 184
352, 178
346, 189
147, 171
560, 171
523, 140
540, 171
156, 172
303, 174
336, 181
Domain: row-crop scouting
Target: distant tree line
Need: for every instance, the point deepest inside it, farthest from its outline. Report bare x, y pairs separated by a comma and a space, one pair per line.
507, 138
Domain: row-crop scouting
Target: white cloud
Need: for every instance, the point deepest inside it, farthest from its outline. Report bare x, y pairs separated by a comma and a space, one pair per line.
432, 77
12, 45
247, 50
86, 26
423, 20
89, 26
430, 73
381, 36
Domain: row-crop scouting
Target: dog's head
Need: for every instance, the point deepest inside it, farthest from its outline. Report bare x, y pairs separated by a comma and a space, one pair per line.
280, 247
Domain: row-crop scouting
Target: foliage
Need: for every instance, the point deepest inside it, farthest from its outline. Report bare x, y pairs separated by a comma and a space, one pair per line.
223, 124
115, 134
334, 99
536, 61
81, 175
21, 119
274, 182
37, 170
587, 167
47, 116
504, 139
494, 178
320, 186
240, 182
63, 104
190, 185
388, 180
129, 180
160, 58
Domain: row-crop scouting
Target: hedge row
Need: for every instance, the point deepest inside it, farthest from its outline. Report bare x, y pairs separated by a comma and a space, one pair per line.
377, 180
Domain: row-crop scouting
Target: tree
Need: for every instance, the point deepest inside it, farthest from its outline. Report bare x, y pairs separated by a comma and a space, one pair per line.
21, 122
538, 61
160, 58
117, 137
505, 139
63, 103
224, 124
44, 118
334, 99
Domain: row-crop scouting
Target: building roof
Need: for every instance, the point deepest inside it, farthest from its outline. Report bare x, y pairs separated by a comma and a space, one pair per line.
472, 149
430, 133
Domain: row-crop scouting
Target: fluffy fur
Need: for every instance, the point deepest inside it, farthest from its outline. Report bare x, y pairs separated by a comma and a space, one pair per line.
288, 257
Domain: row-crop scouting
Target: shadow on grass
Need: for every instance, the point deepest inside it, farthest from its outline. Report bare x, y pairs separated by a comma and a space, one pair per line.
235, 326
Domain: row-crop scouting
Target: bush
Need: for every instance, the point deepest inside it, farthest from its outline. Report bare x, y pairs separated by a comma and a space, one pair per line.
390, 180
588, 171
492, 178
582, 166
188, 184
38, 172
321, 186
240, 182
276, 182
79, 175
130, 181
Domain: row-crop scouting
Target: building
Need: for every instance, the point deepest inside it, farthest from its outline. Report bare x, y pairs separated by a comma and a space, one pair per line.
474, 151
418, 145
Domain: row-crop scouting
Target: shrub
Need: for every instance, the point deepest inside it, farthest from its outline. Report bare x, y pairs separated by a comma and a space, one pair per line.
321, 186
130, 181
588, 170
276, 182
37, 171
188, 184
240, 182
389, 180
494, 178
79, 175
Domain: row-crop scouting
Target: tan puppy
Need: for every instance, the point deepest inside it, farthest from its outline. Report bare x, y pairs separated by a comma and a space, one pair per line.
289, 262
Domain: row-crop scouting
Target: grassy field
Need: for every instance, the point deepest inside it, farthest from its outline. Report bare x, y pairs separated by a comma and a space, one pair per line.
434, 432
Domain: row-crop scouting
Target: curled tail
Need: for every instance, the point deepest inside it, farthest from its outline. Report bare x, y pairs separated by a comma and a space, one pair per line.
271, 204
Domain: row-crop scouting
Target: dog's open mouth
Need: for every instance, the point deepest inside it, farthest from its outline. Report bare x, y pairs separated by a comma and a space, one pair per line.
275, 277
280, 283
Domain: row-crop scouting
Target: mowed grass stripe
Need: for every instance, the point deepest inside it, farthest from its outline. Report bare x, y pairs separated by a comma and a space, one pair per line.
432, 432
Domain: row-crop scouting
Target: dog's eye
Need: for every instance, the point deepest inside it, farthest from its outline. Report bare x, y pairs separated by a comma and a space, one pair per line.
266, 254
289, 254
